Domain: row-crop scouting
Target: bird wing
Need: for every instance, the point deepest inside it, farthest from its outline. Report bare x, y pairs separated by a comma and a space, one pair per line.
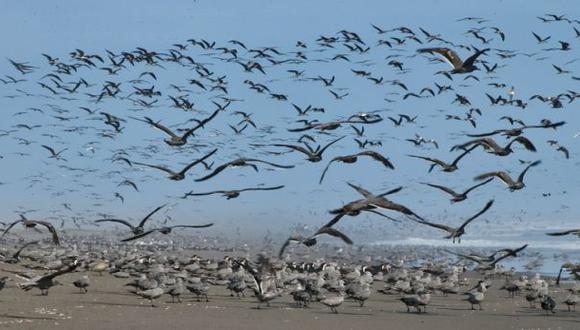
503, 176
158, 126
200, 124
445, 189
471, 59
123, 222
269, 163
159, 167
361, 190
433, 160
52, 230
193, 226
321, 151
197, 161
69, 269
437, 225
142, 223
261, 188
293, 147
562, 233
451, 56
525, 142
463, 155
49, 149
487, 206
477, 185
326, 168
215, 172
293, 238
10, 227
143, 234
378, 157
521, 176
333, 232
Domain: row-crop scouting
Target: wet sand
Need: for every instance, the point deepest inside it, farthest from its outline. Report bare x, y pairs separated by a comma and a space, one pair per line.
108, 305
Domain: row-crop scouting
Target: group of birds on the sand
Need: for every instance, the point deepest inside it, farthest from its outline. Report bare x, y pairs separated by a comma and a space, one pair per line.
153, 275
72, 95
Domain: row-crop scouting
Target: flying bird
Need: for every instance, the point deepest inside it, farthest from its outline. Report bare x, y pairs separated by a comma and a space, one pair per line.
350, 159
139, 228
164, 230
456, 233
506, 178
241, 162
458, 197
452, 58
229, 194
177, 176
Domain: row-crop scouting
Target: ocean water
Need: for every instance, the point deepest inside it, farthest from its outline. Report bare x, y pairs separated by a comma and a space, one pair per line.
550, 252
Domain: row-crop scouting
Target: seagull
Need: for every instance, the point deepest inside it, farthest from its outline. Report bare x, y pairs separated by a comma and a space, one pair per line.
512, 185
445, 167
135, 230
457, 197
452, 58
164, 230
350, 159
456, 233
32, 224
229, 194
177, 176
53, 153
241, 162
311, 240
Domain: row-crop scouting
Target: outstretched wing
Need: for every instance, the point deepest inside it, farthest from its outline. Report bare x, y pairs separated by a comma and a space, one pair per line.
123, 222
142, 223
451, 56
471, 59
487, 206
197, 161
193, 226
143, 234
378, 157
333, 232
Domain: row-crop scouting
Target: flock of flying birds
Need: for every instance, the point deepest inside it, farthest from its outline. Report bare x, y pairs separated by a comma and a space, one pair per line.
73, 90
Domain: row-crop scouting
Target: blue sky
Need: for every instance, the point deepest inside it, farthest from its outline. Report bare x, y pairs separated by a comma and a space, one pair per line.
59, 28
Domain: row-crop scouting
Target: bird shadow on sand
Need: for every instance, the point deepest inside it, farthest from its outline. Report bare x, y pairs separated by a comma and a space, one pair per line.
104, 303
328, 312
20, 317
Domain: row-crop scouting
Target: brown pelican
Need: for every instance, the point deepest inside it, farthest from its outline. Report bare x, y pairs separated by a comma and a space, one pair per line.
240, 162
32, 224
164, 230
459, 231
177, 176
444, 166
492, 147
46, 282
314, 155
452, 58
506, 178
176, 140
135, 230
350, 159
311, 240
229, 194
457, 197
